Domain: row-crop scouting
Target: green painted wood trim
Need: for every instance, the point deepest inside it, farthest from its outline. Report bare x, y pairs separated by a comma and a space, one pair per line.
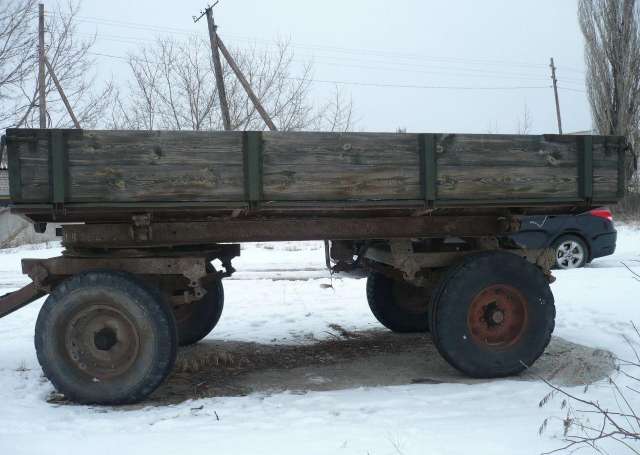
59, 166
13, 161
429, 173
585, 168
252, 147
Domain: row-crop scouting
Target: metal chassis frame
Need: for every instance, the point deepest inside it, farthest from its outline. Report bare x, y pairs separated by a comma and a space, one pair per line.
401, 256
47, 273
143, 233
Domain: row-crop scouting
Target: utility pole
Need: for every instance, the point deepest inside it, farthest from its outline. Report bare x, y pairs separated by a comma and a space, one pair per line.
61, 92
555, 90
218, 46
41, 70
247, 87
217, 67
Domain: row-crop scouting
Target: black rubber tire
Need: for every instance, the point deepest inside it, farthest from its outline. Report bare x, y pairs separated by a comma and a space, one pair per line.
202, 315
452, 300
573, 238
148, 321
384, 305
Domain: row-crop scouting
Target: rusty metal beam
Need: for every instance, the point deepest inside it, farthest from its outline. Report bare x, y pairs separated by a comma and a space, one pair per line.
279, 229
15, 300
39, 270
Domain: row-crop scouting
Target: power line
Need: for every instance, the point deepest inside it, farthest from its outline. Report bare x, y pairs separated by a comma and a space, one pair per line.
335, 49
437, 70
427, 87
572, 89
372, 84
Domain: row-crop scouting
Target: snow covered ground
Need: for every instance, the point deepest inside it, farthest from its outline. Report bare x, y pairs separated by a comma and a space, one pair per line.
594, 308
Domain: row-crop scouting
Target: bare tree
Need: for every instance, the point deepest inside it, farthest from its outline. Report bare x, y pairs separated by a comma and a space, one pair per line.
69, 57
493, 127
612, 53
589, 423
17, 51
611, 29
525, 123
337, 114
173, 87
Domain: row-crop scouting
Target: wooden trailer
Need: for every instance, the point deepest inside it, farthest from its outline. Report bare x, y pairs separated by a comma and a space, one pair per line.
145, 213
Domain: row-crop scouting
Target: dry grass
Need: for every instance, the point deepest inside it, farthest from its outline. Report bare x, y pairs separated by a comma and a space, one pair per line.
628, 209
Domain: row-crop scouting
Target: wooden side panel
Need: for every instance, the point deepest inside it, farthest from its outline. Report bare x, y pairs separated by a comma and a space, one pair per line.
347, 168
507, 167
340, 167
159, 166
606, 168
30, 163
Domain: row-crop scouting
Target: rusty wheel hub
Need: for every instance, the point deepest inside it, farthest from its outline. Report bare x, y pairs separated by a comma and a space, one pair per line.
102, 341
497, 316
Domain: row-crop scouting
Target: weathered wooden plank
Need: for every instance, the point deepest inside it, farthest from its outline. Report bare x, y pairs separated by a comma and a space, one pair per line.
124, 166
153, 183
605, 184
158, 148
505, 150
346, 182
336, 166
511, 182
35, 170
336, 149
605, 167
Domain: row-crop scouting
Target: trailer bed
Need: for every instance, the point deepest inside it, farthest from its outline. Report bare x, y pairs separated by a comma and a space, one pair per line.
93, 175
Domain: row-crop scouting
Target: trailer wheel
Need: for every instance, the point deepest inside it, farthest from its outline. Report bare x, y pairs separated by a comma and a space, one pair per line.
196, 320
398, 305
104, 337
492, 315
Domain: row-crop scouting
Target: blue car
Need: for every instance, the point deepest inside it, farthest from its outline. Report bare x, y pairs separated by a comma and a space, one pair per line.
576, 239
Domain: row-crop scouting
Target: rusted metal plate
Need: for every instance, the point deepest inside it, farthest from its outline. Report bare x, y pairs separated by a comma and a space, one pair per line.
278, 229
15, 300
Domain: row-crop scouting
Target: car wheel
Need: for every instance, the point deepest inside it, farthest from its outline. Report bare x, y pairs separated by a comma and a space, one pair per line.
571, 252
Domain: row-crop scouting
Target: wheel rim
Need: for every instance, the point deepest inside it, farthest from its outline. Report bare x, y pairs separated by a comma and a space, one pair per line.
569, 254
102, 341
497, 316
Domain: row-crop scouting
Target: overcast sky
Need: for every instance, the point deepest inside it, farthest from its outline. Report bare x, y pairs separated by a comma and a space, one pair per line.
431, 66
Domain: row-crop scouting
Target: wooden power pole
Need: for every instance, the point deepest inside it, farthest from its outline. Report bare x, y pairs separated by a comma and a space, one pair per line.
62, 94
247, 87
44, 64
217, 67
218, 46
555, 91
42, 97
